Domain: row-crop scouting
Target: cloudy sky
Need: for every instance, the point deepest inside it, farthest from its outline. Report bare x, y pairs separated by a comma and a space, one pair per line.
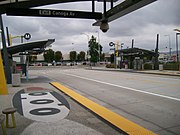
142, 25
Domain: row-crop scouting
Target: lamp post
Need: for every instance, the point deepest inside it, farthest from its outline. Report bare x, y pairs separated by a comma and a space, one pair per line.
169, 45
99, 45
87, 43
121, 55
177, 51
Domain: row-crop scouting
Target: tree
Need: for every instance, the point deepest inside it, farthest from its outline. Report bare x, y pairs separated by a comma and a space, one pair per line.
73, 55
58, 56
102, 58
112, 58
94, 49
49, 55
81, 56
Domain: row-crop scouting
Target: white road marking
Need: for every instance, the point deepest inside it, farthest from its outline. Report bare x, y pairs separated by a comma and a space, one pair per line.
132, 89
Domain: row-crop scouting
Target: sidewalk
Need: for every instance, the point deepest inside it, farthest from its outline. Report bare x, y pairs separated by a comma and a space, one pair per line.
71, 119
156, 72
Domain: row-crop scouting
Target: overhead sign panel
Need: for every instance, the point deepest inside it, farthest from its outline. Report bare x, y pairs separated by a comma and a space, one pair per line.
53, 13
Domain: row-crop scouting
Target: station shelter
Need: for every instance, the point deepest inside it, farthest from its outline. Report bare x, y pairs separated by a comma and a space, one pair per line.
19, 54
135, 58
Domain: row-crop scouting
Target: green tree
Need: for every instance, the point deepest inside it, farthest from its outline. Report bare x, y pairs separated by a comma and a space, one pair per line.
94, 49
73, 55
102, 58
49, 55
81, 56
112, 58
58, 56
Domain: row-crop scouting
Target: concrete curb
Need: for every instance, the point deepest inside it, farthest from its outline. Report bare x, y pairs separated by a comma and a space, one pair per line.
133, 71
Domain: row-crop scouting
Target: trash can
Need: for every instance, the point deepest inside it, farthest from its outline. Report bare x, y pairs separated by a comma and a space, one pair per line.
16, 79
160, 67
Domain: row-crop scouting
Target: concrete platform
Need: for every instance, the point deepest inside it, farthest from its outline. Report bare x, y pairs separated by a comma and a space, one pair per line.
78, 121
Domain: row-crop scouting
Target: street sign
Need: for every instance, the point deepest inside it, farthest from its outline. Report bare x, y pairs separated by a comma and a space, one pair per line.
53, 13
27, 36
111, 44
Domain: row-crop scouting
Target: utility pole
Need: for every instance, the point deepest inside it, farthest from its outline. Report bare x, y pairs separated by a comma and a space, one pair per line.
156, 64
177, 51
131, 61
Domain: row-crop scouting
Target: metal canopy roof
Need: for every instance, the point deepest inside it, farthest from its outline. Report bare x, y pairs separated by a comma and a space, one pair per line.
136, 52
4, 4
125, 7
30, 47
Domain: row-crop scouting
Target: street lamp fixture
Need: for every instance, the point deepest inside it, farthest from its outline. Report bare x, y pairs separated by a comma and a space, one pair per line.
86, 35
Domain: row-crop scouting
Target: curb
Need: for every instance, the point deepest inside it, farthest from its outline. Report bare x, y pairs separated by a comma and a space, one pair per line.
132, 71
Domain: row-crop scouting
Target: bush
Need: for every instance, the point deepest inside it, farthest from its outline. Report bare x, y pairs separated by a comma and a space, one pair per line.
147, 66
110, 66
171, 66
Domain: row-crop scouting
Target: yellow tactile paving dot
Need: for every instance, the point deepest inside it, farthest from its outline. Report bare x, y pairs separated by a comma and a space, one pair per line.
113, 118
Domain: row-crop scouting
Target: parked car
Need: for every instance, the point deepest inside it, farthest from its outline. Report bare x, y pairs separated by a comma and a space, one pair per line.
49, 64
44, 64
58, 63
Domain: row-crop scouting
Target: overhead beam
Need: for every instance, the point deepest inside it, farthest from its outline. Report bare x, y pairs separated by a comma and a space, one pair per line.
37, 3
122, 9
53, 13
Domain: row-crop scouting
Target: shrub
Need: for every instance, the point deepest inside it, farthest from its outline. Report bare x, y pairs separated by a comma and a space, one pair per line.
171, 66
147, 66
110, 66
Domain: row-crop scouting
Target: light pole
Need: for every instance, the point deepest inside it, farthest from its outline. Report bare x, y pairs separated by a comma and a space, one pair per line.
121, 55
87, 43
99, 45
169, 45
177, 51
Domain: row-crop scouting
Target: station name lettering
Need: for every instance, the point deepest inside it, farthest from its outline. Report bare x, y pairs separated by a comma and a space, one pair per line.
56, 13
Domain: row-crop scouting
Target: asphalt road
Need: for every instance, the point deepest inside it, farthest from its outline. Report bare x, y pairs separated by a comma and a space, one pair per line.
151, 101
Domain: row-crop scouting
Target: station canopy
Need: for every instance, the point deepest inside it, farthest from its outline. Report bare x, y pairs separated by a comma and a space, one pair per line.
115, 11
136, 52
36, 47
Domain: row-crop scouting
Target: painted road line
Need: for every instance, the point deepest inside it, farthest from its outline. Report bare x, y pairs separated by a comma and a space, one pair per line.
124, 87
113, 118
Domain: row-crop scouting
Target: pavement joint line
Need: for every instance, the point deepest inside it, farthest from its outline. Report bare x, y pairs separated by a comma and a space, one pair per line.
118, 121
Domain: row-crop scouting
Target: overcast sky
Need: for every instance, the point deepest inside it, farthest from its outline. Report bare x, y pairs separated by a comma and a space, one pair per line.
142, 25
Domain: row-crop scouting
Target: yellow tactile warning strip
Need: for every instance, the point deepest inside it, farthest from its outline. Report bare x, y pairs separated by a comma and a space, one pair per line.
115, 119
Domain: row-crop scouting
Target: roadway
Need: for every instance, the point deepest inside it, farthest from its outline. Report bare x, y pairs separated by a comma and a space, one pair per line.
152, 101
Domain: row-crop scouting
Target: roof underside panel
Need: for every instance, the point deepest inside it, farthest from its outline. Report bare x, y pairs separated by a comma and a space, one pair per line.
4, 4
29, 46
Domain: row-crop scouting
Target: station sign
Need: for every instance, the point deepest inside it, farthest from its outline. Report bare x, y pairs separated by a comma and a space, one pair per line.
27, 36
53, 13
